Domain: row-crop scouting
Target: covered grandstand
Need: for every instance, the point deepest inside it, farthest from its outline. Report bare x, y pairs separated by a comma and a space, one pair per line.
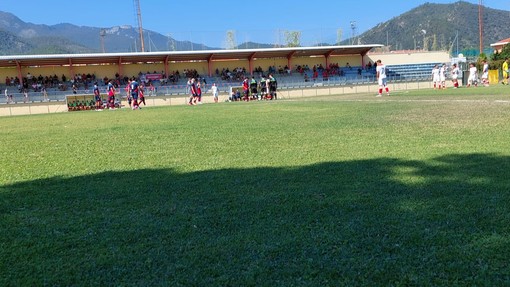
351, 62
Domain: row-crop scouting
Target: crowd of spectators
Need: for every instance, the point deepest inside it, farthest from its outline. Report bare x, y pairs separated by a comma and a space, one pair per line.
237, 74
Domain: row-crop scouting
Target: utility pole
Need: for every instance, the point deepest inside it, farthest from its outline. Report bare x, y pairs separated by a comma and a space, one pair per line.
480, 23
140, 28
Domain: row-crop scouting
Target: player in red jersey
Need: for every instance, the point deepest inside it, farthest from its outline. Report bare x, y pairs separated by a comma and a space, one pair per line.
141, 96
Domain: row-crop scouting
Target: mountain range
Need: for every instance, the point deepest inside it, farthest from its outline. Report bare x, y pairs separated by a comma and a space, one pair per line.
428, 26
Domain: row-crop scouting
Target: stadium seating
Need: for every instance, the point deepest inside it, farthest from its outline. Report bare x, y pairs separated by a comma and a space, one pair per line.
345, 76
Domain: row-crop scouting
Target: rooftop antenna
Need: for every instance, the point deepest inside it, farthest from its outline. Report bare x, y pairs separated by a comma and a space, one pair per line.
140, 28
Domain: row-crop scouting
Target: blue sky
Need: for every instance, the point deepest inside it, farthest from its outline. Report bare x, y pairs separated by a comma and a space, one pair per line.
207, 21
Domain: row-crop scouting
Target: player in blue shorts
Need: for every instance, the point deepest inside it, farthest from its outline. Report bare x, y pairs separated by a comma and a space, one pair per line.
97, 96
133, 88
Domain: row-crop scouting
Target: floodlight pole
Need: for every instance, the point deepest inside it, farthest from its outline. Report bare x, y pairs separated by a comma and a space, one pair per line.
480, 23
140, 29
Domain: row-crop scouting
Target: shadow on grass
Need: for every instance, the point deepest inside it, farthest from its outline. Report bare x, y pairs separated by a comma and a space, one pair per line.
369, 222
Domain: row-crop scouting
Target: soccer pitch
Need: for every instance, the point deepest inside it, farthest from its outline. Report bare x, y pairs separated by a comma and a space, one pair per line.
350, 190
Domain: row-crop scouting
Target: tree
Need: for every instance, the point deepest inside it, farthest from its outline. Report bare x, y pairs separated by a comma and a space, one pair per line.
435, 46
426, 43
498, 58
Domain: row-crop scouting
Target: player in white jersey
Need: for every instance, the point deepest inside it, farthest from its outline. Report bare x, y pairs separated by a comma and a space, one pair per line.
473, 75
442, 76
485, 73
455, 76
381, 78
436, 80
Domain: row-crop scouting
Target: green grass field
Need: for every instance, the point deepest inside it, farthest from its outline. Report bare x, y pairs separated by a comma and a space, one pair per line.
407, 190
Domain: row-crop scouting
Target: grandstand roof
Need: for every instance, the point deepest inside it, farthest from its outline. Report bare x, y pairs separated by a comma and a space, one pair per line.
169, 56
501, 43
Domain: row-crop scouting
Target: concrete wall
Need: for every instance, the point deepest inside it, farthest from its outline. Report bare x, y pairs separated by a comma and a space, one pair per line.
44, 108
402, 58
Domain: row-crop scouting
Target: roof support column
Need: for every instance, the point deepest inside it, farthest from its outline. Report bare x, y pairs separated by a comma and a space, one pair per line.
327, 56
166, 66
289, 59
209, 65
119, 70
71, 70
251, 58
20, 75
363, 59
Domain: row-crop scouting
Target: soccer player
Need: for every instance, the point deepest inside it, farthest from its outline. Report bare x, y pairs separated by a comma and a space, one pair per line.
455, 76
199, 92
473, 75
141, 95
111, 95
214, 91
263, 87
246, 90
505, 72
485, 73
97, 96
128, 93
253, 88
436, 79
442, 76
273, 85
381, 78
133, 88
193, 92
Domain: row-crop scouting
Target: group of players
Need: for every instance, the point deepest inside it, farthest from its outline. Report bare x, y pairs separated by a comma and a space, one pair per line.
134, 95
439, 75
265, 89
